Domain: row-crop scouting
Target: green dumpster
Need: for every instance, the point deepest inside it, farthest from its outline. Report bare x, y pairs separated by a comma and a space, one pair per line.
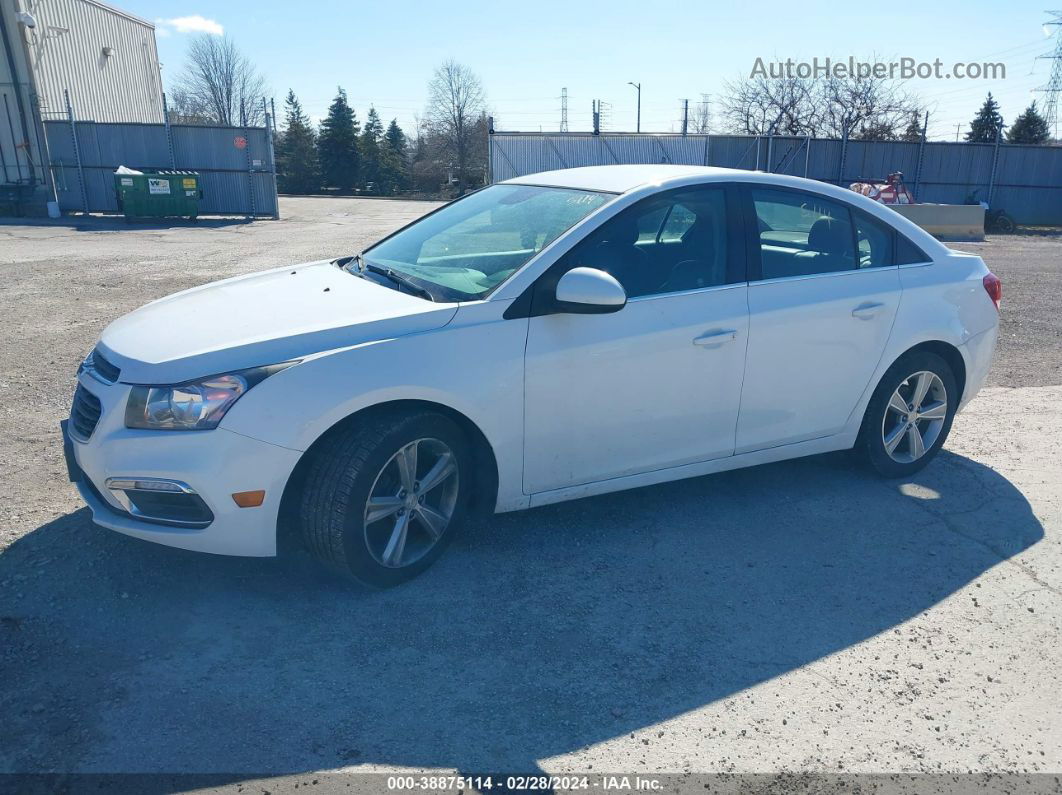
163, 194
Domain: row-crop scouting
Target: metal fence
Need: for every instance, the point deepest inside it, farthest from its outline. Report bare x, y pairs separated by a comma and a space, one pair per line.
236, 164
1026, 181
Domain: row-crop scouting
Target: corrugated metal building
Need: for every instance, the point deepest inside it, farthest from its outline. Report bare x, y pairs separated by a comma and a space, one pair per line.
21, 158
104, 57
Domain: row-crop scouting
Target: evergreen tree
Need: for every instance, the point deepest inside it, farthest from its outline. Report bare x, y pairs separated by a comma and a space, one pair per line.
394, 170
296, 149
913, 133
369, 146
395, 139
986, 124
337, 145
1029, 128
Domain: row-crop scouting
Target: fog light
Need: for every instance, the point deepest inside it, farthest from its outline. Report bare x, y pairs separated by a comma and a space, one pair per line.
161, 500
249, 499
146, 485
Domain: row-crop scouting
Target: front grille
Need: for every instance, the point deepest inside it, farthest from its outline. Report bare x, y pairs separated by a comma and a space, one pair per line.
105, 369
84, 413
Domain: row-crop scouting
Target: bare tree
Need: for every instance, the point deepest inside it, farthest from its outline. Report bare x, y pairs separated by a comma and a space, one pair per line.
871, 107
768, 105
864, 107
220, 84
701, 118
183, 108
456, 106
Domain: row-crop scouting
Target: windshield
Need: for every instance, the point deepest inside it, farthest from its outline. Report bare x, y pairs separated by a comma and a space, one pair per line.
468, 248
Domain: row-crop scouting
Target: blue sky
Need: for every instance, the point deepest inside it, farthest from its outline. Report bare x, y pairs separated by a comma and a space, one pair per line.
384, 53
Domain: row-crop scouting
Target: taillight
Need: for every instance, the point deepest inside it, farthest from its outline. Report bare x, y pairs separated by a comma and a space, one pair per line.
994, 288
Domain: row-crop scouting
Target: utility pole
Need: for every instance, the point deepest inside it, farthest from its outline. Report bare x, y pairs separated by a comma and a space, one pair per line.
604, 113
1054, 82
639, 87
957, 128
564, 110
921, 156
685, 115
596, 116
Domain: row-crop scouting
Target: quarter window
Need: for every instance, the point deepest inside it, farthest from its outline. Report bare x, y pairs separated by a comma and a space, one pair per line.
802, 234
907, 253
686, 249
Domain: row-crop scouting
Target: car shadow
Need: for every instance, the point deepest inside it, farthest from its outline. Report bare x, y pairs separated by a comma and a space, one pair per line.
537, 634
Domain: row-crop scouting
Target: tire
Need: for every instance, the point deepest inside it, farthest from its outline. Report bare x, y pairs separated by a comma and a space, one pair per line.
1003, 224
365, 458
882, 420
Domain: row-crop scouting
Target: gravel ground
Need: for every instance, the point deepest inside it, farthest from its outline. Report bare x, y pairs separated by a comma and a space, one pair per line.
797, 616
1030, 338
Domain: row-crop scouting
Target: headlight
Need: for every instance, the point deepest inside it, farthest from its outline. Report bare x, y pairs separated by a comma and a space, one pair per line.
195, 405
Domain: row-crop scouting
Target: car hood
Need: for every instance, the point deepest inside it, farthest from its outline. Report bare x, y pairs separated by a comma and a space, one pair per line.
263, 318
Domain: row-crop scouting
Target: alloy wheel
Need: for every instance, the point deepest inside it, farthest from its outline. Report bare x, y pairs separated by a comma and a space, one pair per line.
914, 416
411, 503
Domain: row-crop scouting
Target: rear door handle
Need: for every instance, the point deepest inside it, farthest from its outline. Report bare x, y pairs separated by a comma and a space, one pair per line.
713, 339
868, 310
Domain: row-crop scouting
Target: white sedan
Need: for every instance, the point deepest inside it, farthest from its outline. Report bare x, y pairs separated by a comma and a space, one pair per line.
551, 337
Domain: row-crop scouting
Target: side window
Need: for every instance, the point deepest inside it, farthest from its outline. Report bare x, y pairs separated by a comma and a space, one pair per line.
874, 241
802, 234
686, 250
649, 225
679, 220
907, 253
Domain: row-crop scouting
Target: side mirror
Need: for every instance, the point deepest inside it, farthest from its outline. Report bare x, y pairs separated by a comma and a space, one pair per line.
589, 291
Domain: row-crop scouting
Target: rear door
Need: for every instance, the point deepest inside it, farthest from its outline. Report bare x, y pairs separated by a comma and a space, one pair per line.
823, 295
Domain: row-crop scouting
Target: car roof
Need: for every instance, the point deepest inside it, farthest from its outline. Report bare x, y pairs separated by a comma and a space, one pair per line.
623, 179
620, 178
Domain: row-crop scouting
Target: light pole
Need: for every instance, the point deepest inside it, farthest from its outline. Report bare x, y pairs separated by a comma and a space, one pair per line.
639, 87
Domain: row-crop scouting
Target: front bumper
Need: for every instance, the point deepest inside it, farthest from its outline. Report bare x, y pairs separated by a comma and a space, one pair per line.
216, 464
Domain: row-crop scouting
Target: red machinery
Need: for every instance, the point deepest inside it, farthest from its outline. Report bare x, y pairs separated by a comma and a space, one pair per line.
891, 191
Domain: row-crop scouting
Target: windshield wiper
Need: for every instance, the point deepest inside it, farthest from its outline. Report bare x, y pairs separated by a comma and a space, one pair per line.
397, 278
358, 266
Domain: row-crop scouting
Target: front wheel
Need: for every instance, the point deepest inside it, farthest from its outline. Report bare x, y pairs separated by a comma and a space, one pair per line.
384, 497
909, 415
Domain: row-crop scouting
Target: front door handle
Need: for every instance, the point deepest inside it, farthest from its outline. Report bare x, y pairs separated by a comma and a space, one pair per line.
713, 339
868, 310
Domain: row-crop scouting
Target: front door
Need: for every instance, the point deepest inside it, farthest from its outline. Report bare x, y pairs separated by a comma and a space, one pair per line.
658, 383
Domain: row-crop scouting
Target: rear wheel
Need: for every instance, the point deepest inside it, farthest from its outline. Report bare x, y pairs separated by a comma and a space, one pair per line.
384, 497
909, 415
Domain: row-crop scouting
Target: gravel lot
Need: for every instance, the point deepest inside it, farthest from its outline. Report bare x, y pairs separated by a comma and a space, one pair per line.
797, 616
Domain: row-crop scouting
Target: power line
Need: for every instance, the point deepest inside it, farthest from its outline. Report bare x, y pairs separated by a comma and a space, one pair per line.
564, 110
1054, 83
